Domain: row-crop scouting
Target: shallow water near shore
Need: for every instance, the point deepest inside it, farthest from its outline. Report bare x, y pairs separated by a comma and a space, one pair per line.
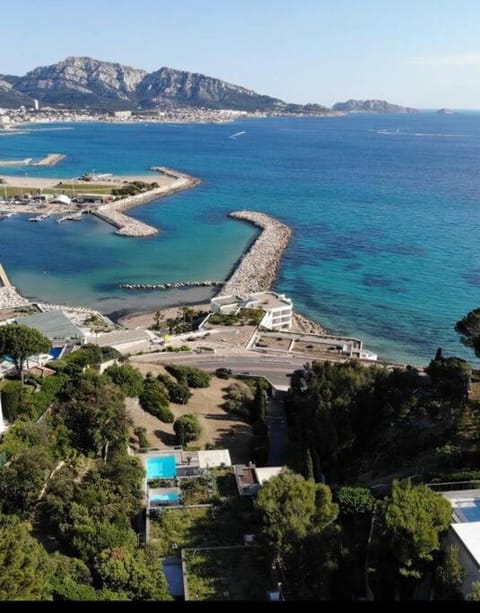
384, 243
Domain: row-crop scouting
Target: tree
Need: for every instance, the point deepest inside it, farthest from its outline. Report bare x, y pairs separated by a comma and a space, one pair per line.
22, 480
137, 572
355, 500
450, 377
469, 329
290, 508
25, 568
475, 591
449, 575
94, 413
309, 466
127, 377
415, 516
19, 342
158, 318
187, 428
259, 405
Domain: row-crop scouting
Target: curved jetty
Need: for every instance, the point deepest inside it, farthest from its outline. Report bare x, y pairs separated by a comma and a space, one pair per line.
113, 213
258, 267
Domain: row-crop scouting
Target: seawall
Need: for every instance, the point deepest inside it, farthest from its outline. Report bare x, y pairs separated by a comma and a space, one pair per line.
113, 213
258, 266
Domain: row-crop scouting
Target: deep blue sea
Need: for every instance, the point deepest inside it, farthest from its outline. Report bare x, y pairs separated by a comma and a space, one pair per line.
385, 212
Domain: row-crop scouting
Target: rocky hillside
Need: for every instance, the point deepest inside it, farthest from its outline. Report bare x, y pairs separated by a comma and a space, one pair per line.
370, 106
80, 82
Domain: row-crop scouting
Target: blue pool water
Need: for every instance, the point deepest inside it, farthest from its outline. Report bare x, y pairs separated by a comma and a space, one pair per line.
470, 513
161, 468
55, 352
170, 497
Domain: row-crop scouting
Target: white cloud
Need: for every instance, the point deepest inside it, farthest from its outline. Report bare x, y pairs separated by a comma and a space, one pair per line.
462, 59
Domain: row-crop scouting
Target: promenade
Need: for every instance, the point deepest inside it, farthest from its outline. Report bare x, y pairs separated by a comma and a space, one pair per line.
258, 267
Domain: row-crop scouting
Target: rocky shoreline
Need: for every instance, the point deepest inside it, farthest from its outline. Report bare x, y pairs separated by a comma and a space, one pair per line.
258, 267
10, 298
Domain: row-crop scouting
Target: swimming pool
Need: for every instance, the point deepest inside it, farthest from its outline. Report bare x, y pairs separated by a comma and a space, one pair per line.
55, 352
163, 467
467, 510
169, 497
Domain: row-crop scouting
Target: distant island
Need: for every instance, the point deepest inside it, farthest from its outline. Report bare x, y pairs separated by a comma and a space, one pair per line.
87, 84
371, 106
445, 112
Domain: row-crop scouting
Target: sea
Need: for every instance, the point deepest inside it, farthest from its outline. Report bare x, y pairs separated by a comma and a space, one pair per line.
384, 209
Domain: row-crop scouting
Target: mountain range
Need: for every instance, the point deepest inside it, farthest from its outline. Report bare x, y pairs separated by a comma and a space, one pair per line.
83, 82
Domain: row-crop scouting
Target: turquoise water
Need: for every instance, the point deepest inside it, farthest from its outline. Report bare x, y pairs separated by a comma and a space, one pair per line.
161, 468
170, 497
384, 211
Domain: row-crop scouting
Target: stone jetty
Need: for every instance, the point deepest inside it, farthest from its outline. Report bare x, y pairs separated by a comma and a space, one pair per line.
258, 266
170, 285
52, 159
113, 213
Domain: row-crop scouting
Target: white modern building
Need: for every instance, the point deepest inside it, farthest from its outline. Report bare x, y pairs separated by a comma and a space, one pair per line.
278, 308
464, 532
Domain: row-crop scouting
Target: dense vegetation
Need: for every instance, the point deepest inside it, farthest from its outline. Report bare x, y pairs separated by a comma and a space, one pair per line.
70, 495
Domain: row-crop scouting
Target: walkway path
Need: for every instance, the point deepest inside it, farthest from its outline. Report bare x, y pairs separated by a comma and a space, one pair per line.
277, 431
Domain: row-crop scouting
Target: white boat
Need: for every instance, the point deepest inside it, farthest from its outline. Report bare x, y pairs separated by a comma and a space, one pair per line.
39, 218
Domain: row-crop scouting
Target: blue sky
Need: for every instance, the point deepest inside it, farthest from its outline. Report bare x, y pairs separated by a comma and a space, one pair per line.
423, 53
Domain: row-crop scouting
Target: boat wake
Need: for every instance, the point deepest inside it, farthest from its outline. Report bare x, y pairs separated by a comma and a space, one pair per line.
236, 135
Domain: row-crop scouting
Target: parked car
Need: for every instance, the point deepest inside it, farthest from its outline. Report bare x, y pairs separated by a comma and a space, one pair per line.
223, 373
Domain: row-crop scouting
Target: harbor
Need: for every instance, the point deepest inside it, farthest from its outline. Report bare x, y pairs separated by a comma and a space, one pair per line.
113, 213
104, 195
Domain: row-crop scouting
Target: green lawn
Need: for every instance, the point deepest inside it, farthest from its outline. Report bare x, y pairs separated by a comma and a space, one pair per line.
83, 188
230, 574
213, 526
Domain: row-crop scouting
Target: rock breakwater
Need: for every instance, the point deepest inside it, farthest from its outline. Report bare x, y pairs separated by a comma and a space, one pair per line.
170, 285
113, 213
258, 267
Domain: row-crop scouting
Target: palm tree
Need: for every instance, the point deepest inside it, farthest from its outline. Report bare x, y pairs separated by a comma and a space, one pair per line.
157, 319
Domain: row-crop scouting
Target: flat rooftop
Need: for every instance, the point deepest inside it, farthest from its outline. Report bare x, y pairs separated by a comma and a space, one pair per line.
269, 300
52, 324
469, 534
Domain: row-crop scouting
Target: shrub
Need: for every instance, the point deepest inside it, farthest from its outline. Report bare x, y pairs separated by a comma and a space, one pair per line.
178, 393
194, 377
11, 399
154, 400
187, 428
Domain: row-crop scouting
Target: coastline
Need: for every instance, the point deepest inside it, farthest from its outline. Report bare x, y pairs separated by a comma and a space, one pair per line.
255, 271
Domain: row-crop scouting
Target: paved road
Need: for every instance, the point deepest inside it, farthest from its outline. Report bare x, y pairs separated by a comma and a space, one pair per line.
272, 368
